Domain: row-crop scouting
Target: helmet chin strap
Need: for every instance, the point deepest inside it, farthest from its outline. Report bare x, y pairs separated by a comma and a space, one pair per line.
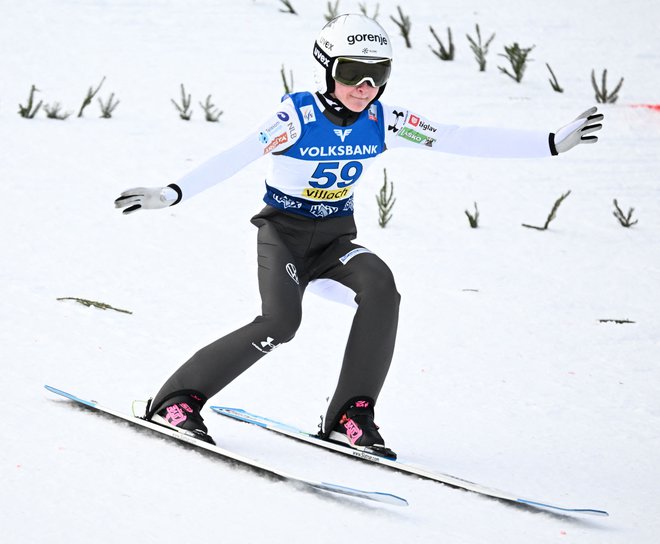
335, 111
335, 105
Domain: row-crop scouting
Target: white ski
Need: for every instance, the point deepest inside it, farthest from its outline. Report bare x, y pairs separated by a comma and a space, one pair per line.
453, 481
263, 468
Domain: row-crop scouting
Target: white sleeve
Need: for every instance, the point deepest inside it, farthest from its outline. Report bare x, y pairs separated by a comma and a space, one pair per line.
404, 128
276, 133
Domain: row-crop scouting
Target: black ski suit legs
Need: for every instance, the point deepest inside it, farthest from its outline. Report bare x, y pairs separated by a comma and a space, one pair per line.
371, 340
292, 251
215, 366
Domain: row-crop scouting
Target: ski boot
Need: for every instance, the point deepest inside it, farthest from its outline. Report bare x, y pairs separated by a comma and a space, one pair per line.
181, 411
356, 428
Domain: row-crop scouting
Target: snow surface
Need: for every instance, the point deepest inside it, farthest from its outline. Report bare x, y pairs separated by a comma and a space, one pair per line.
503, 373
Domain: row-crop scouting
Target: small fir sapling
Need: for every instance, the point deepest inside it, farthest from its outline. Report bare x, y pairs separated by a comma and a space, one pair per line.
552, 214
517, 57
95, 304
288, 84
479, 48
184, 107
443, 53
624, 219
30, 110
404, 25
91, 93
108, 107
385, 199
473, 218
553, 80
363, 10
333, 11
289, 7
55, 112
211, 113
602, 96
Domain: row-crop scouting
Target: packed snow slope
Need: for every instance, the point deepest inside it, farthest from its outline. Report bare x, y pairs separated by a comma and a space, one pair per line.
508, 370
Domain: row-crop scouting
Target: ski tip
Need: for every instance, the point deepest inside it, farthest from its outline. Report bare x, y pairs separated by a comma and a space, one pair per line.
394, 499
559, 509
377, 496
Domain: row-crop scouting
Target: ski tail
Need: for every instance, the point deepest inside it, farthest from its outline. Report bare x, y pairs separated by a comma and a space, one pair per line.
90, 403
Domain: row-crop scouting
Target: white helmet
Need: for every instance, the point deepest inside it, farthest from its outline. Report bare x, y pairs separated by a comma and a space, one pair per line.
352, 48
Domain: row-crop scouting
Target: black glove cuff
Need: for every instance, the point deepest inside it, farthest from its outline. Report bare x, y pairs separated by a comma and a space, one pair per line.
551, 143
178, 191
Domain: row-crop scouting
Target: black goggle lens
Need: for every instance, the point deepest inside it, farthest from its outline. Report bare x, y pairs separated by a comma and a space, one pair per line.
352, 72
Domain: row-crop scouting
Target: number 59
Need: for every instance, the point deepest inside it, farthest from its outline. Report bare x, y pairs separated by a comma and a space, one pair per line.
349, 174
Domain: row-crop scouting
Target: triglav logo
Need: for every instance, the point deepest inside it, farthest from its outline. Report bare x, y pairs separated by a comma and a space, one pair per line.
417, 122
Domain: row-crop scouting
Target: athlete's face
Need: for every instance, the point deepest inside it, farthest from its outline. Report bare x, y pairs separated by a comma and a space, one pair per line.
355, 98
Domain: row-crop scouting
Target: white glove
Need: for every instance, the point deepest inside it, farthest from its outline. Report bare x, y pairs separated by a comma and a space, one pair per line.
149, 198
576, 132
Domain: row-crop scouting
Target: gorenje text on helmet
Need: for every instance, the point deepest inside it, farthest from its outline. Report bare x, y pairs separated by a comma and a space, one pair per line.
353, 38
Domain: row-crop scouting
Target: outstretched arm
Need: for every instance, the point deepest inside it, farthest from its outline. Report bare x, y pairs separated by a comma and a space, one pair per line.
274, 134
406, 129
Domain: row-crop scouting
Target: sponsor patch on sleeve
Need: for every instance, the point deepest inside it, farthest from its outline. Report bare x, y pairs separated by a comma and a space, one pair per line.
277, 140
353, 253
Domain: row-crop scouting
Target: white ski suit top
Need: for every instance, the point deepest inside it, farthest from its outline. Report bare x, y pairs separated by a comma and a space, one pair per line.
316, 164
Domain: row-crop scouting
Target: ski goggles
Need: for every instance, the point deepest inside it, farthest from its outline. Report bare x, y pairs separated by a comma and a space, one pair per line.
352, 71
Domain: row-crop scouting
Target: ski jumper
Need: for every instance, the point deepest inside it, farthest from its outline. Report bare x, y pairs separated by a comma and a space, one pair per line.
306, 234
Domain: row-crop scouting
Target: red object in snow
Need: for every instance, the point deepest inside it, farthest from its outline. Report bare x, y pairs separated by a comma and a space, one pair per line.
655, 107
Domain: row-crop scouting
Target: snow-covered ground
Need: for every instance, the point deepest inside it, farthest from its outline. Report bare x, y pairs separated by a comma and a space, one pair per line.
503, 372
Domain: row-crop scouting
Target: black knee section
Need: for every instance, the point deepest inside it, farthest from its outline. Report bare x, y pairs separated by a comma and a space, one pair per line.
281, 326
379, 286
